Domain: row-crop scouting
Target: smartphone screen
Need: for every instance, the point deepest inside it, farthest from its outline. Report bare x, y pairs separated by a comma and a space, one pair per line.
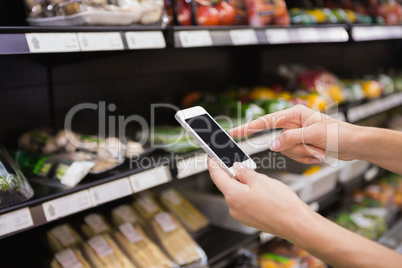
217, 139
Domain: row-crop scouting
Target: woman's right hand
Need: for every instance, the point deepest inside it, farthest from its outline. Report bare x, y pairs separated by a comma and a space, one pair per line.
307, 136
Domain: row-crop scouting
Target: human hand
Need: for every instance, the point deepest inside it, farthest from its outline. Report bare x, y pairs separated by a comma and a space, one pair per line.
260, 201
307, 135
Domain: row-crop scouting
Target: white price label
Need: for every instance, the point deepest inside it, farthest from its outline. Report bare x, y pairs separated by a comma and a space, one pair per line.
165, 221
52, 42
195, 38
308, 35
142, 40
333, 34
67, 259
243, 37
96, 223
66, 205
278, 36
110, 191
150, 178
14, 221
192, 165
130, 233
64, 235
124, 213
100, 246
100, 41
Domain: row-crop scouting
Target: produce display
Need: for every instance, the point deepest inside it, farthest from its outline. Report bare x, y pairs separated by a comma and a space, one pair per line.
188, 215
63, 237
94, 12
176, 241
367, 215
286, 255
69, 258
14, 187
102, 251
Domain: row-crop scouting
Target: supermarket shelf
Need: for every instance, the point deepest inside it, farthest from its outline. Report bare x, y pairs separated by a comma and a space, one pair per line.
50, 203
220, 243
192, 36
373, 107
25, 40
378, 32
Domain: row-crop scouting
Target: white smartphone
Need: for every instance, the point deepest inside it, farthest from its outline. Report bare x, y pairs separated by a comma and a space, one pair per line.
212, 138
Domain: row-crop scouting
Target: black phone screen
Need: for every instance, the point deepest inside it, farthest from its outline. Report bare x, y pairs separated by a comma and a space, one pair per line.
217, 139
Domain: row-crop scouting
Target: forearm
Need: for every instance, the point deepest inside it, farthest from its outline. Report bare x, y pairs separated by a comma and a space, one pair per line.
381, 147
340, 247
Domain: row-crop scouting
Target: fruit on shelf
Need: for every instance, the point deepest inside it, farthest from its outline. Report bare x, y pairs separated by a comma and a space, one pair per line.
184, 13
264, 93
372, 89
206, 14
226, 13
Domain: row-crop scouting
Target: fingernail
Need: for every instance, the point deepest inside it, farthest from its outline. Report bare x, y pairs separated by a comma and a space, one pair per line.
276, 145
238, 166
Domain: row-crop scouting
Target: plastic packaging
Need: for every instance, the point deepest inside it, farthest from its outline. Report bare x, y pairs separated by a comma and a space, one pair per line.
69, 258
102, 251
63, 237
123, 214
177, 242
95, 224
146, 205
262, 13
140, 249
93, 12
189, 216
14, 187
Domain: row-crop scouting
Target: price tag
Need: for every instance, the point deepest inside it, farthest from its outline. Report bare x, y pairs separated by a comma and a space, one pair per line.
165, 222
142, 40
124, 213
110, 191
278, 36
15, 221
191, 166
67, 259
308, 35
195, 38
66, 205
64, 235
96, 223
257, 144
243, 37
150, 178
130, 233
333, 34
100, 41
52, 42
100, 246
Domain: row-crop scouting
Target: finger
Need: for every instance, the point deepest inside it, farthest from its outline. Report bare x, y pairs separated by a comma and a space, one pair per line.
244, 174
289, 118
291, 137
222, 180
307, 160
304, 150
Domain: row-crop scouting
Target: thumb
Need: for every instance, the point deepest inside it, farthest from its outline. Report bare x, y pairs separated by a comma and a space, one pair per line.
244, 174
290, 138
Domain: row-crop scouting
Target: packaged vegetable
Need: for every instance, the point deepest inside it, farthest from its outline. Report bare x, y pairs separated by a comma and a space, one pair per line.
140, 249
69, 258
14, 187
189, 216
94, 224
63, 237
61, 168
176, 241
103, 252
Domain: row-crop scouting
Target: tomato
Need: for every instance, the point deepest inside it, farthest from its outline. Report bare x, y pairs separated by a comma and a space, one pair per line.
207, 16
226, 13
183, 13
